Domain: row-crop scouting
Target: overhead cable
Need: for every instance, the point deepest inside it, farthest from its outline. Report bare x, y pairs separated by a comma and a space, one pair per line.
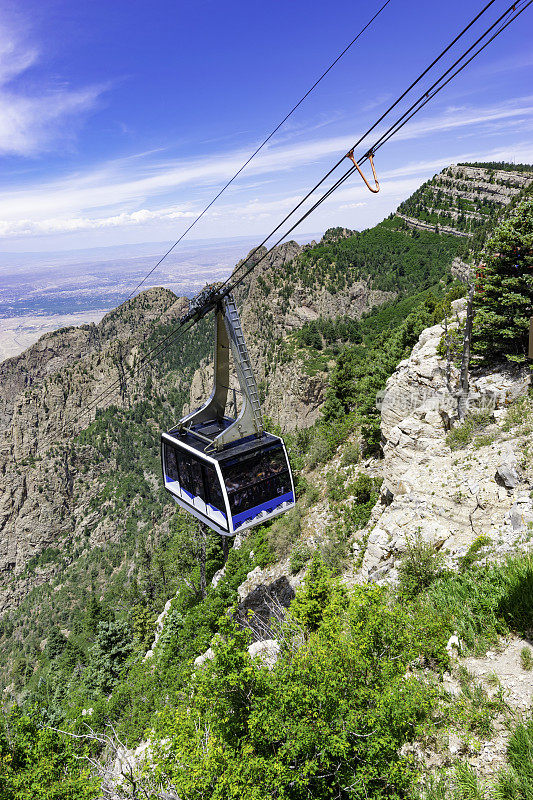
258, 149
231, 283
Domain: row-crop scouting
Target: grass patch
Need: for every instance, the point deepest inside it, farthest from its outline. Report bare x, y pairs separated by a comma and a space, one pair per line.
462, 435
526, 658
484, 602
520, 413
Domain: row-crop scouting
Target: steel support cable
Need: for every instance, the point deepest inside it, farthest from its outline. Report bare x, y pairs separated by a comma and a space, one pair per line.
411, 111
364, 135
425, 98
258, 149
394, 129
389, 109
181, 329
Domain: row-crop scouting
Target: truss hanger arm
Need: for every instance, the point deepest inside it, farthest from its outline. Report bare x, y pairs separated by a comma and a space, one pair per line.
370, 155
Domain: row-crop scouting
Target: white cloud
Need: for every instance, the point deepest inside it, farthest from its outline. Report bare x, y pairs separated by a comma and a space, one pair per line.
463, 116
32, 122
127, 192
25, 227
352, 205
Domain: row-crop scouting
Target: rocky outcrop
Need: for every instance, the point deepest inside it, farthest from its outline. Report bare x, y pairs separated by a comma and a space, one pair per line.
422, 225
463, 198
263, 605
269, 314
48, 485
266, 651
448, 497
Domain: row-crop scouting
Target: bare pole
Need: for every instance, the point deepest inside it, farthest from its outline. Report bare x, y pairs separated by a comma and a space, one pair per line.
225, 547
203, 558
462, 400
448, 355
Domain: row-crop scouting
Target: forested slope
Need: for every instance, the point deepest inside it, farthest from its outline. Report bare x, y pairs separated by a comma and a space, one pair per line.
94, 550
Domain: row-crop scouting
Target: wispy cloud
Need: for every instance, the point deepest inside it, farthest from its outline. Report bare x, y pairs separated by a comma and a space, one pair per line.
33, 122
147, 189
28, 227
465, 116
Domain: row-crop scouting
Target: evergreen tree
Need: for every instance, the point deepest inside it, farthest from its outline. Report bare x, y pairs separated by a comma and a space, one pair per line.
112, 646
319, 592
504, 300
56, 643
93, 615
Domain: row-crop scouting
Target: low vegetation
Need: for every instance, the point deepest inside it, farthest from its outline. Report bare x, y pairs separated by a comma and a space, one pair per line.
359, 674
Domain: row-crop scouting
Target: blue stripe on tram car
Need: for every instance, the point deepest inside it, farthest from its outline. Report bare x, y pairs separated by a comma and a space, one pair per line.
270, 505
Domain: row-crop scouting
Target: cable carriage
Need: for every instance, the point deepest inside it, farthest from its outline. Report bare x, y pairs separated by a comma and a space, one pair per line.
227, 472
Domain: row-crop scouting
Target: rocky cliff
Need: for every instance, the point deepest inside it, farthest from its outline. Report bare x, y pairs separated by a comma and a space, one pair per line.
49, 481
448, 496
277, 300
464, 198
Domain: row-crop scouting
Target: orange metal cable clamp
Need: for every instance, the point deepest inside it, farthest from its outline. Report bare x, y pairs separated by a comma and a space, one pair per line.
370, 155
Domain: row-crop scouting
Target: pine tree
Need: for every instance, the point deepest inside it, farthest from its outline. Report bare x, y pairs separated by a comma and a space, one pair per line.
319, 593
56, 643
504, 300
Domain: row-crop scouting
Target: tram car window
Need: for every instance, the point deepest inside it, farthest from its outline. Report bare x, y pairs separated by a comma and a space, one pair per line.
241, 486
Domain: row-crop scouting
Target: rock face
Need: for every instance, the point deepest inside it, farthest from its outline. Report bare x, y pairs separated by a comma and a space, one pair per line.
43, 395
448, 497
264, 604
462, 198
269, 313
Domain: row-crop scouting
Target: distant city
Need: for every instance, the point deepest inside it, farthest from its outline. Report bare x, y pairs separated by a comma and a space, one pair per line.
40, 292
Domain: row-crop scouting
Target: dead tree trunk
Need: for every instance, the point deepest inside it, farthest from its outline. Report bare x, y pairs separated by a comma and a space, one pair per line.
462, 400
203, 559
448, 354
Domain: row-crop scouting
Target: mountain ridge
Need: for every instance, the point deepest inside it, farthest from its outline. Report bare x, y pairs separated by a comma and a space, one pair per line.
91, 543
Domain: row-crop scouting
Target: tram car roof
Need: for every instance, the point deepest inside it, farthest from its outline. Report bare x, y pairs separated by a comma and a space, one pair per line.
211, 429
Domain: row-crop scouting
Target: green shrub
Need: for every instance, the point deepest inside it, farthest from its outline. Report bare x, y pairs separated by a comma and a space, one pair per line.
335, 483
526, 658
351, 455
312, 495
518, 413
473, 552
461, 436
299, 557
37, 762
419, 567
284, 531
333, 712
363, 488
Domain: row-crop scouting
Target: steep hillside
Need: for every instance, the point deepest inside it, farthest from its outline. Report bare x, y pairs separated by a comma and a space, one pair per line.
465, 199
299, 289
98, 491
53, 478
96, 559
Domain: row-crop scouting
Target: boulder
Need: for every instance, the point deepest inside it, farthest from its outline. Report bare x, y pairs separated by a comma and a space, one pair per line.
507, 475
263, 604
266, 651
207, 656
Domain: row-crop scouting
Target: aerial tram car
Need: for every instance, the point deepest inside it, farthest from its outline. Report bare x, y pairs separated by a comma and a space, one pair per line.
226, 471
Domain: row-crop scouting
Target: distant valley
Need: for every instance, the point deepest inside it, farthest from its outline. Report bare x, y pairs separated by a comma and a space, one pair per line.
41, 292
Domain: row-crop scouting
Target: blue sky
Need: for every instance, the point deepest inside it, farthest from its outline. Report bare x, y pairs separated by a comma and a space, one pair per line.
119, 120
